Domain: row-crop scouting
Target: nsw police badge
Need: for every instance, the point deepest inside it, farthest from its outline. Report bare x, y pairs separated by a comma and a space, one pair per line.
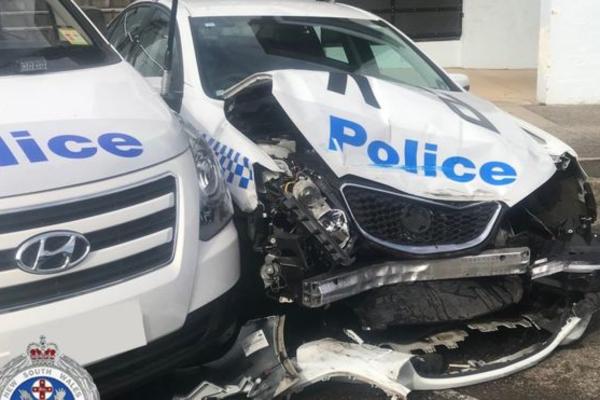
44, 373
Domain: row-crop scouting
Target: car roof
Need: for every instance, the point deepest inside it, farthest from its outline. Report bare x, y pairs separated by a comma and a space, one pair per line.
304, 8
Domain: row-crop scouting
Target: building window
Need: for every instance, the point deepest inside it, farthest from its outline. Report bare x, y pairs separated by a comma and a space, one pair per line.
420, 19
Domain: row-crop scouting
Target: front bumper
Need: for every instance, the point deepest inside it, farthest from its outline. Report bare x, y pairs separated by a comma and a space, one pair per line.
204, 336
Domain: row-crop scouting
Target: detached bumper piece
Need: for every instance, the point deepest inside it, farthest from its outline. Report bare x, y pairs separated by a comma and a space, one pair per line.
258, 365
575, 257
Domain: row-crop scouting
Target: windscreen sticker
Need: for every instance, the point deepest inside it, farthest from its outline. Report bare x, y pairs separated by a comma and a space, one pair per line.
236, 168
72, 36
32, 64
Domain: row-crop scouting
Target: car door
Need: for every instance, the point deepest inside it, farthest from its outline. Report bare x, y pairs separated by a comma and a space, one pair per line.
140, 34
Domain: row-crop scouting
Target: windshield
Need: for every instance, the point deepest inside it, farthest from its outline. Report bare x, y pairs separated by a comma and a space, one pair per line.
230, 49
45, 35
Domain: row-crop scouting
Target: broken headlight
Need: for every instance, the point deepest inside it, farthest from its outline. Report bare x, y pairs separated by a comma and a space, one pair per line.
333, 220
216, 208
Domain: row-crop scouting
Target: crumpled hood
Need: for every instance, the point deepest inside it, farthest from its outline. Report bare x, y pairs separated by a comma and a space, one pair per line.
65, 129
432, 144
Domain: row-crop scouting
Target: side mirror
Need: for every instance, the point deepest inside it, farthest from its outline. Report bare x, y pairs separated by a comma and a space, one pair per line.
97, 17
461, 80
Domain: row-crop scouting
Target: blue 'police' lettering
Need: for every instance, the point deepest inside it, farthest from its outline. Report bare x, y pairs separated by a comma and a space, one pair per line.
29, 146
72, 146
450, 170
6, 156
498, 173
120, 144
377, 148
410, 156
456, 168
339, 128
68, 146
430, 159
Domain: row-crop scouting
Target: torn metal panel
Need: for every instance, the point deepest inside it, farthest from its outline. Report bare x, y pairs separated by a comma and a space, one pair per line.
326, 289
548, 268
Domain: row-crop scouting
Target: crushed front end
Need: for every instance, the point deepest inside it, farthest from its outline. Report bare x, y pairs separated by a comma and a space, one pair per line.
396, 257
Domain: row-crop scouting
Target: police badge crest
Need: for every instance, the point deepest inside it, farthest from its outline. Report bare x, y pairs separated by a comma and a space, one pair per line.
44, 373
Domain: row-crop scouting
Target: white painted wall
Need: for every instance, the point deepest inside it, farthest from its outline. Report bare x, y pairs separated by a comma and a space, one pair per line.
447, 53
497, 34
569, 59
501, 34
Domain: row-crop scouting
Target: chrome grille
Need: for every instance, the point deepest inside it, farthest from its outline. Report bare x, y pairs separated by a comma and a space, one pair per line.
419, 226
131, 232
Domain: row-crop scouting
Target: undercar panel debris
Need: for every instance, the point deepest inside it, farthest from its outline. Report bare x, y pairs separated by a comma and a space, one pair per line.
261, 366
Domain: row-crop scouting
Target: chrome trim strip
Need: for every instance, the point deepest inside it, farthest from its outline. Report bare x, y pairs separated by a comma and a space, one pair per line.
67, 201
425, 250
95, 259
94, 223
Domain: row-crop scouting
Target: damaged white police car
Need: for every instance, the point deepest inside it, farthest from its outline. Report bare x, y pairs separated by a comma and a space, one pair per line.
364, 175
116, 240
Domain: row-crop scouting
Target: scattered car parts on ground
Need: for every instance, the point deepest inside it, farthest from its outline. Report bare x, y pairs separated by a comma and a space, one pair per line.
260, 366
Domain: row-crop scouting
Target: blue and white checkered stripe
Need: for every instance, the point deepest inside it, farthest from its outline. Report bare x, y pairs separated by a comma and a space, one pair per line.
237, 169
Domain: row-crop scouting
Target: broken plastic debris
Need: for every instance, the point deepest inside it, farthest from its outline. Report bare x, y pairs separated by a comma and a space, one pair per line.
263, 372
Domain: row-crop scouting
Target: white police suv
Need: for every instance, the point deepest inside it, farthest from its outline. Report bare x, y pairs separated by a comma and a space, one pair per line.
367, 176
116, 240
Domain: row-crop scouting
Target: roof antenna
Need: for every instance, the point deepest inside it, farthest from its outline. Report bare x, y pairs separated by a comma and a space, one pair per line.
167, 79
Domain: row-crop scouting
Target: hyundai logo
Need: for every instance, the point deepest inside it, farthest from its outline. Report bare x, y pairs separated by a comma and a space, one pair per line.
52, 252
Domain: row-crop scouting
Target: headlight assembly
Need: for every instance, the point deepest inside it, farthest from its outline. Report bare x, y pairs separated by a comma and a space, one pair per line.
216, 209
